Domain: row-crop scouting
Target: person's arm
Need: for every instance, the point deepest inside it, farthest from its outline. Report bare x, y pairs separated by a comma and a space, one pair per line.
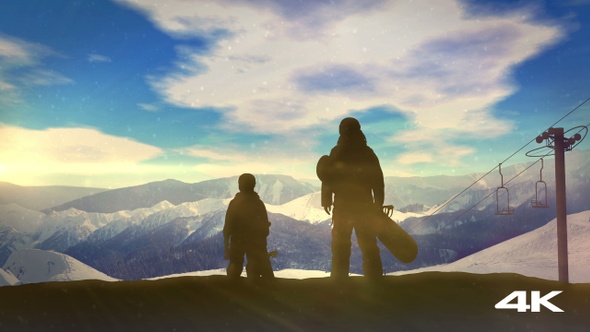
326, 190
326, 197
378, 185
227, 230
265, 221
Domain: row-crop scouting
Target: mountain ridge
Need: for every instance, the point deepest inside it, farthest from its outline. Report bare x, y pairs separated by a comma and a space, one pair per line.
176, 192
144, 239
42, 197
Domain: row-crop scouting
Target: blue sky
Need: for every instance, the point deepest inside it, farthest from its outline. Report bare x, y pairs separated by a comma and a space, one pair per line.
118, 93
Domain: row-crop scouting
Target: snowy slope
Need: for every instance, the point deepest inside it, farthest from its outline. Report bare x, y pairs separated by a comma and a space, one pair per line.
284, 274
33, 266
532, 254
7, 278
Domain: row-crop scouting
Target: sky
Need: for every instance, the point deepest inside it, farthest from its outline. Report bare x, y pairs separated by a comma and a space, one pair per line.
117, 93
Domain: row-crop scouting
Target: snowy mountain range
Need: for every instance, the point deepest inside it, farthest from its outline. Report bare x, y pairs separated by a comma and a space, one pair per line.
172, 227
532, 254
273, 189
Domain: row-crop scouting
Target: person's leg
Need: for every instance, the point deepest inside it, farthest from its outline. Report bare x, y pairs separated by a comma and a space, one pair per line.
341, 244
236, 259
258, 259
266, 269
265, 265
367, 240
253, 265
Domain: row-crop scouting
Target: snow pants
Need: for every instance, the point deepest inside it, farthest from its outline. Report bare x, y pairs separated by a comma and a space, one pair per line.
256, 254
343, 224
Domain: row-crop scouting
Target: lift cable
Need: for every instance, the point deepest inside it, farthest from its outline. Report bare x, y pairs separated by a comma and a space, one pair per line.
493, 169
490, 194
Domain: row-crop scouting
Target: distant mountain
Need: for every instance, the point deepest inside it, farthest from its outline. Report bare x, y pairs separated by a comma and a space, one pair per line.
18, 226
40, 198
168, 250
273, 189
532, 254
20, 218
116, 246
22, 228
132, 198
33, 266
168, 237
426, 191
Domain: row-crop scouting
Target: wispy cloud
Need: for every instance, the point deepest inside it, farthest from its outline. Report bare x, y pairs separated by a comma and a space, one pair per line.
149, 107
21, 66
93, 57
441, 67
35, 77
17, 51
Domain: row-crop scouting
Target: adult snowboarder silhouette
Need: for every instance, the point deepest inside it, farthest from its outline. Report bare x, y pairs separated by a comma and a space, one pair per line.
352, 182
245, 231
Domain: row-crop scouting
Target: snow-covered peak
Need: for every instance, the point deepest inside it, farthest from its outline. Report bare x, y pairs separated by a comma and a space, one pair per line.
33, 266
162, 206
75, 221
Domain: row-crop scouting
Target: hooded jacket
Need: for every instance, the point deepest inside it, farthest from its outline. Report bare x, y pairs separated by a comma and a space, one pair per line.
246, 217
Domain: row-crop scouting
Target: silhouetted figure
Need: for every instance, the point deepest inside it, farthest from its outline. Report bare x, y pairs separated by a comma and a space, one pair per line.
352, 176
245, 230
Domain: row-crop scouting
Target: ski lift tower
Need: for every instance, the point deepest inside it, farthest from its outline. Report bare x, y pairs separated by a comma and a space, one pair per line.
556, 141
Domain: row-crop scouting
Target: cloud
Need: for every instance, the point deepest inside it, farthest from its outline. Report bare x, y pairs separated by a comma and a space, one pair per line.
149, 107
19, 52
270, 157
76, 151
93, 57
276, 67
337, 78
36, 77
209, 154
21, 67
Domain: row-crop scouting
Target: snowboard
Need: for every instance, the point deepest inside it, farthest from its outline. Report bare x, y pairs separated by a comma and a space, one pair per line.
399, 243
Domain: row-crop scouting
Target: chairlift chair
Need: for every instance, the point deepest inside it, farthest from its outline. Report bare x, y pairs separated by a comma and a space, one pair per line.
540, 202
505, 210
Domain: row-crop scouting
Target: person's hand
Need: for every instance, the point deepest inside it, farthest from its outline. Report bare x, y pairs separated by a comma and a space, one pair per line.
327, 209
